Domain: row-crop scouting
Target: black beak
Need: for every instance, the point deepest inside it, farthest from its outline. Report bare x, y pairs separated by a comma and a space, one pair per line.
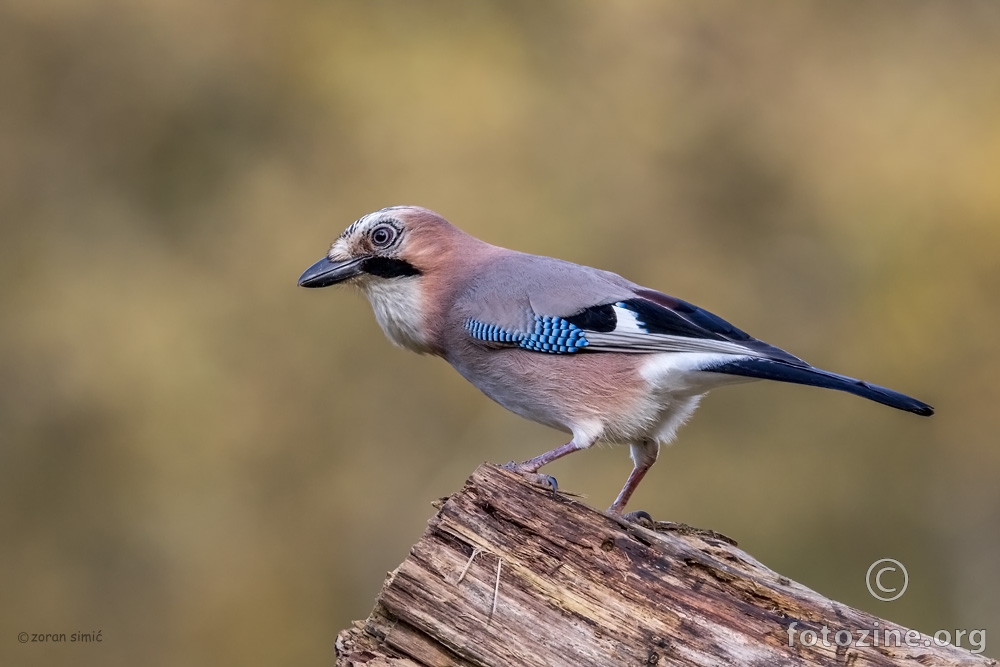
326, 272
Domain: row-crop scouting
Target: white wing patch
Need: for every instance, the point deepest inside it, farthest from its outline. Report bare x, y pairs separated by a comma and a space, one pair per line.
627, 322
630, 335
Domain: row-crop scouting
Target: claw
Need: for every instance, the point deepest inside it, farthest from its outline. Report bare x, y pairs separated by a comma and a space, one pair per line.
538, 479
549, 481
637, 516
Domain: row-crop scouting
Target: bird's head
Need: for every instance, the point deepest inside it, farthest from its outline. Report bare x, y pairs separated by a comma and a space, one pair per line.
381, 246
401, 258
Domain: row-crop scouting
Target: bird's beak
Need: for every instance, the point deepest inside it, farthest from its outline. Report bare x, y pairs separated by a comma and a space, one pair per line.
326, 272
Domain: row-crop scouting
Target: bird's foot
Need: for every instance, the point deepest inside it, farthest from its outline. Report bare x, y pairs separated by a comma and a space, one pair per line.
642, 518
639, 517
536, 478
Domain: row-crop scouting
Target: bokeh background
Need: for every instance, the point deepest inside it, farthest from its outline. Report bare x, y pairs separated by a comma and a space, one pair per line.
212, 466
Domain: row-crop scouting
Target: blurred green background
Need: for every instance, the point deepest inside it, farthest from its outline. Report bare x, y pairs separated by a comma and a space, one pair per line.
197, 457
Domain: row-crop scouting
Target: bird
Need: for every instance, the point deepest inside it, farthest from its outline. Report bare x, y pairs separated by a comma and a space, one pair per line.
576, 348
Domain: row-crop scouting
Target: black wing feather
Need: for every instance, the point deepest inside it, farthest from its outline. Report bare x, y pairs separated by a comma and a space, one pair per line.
767, 369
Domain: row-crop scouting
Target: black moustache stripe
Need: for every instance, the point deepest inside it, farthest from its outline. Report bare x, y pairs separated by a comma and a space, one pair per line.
387, 267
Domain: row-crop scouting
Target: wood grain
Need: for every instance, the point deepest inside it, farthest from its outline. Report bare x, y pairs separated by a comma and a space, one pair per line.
510, 574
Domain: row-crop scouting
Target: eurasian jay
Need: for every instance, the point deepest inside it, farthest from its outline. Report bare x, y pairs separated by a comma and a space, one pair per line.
581, 350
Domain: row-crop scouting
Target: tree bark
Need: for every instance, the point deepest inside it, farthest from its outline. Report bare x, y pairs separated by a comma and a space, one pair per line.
510, 574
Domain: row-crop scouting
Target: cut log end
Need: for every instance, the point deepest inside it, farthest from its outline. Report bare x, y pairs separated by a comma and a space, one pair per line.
510, 574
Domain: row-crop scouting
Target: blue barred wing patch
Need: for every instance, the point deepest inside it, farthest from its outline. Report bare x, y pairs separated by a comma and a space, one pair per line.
554, 335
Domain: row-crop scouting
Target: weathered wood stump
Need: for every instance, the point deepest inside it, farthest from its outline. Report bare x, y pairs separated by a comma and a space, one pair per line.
510, 574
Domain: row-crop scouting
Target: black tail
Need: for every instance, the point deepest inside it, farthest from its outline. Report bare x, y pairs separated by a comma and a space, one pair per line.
768, 369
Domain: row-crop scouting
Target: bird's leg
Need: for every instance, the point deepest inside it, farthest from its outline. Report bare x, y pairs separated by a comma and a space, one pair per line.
529, 469
644, 455
532, 465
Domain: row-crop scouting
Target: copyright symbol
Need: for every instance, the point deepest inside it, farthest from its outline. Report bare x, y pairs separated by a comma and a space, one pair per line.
887, 565
23, 637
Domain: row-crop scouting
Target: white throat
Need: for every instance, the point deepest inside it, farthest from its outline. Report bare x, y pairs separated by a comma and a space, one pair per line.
398, 306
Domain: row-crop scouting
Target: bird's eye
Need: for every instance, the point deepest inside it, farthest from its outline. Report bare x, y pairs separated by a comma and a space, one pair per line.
383, 236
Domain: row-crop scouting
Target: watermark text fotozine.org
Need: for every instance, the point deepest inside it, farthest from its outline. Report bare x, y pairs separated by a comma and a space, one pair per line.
973, 640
